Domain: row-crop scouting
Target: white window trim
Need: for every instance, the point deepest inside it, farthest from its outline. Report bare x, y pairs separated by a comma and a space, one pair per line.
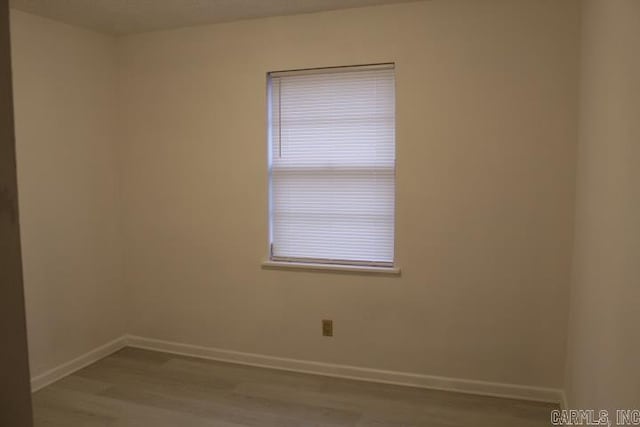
306, 266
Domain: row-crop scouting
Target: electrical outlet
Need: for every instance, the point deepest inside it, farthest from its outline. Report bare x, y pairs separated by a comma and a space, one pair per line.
327, 328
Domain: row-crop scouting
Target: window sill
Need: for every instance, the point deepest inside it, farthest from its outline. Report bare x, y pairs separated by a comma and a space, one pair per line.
281, 265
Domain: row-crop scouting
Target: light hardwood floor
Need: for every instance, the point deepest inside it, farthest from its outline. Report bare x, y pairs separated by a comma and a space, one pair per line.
149, 389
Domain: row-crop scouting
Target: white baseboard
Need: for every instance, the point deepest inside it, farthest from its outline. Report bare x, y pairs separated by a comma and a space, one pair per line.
53, 375
483, 388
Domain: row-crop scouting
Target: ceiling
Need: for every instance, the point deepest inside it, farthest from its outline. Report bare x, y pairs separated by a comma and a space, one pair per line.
135, 16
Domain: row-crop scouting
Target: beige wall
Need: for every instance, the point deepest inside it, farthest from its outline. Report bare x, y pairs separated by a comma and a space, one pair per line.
602, 365
486, 140
65, 108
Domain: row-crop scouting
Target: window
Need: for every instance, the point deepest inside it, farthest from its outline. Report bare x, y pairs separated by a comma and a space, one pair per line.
332, 165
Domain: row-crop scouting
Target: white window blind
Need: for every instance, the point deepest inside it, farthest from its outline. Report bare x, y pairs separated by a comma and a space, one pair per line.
332, 165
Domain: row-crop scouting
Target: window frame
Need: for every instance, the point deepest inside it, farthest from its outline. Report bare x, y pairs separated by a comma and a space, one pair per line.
322, 264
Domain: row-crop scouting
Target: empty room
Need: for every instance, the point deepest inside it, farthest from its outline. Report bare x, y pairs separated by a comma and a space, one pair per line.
278, 213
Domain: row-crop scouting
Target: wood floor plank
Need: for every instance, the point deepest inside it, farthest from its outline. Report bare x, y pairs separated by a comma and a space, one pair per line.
139, 388
235, 408
88, 410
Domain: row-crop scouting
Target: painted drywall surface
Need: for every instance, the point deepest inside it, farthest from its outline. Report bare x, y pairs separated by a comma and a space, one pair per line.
15, 393
65, 109
602, 363
486, 140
